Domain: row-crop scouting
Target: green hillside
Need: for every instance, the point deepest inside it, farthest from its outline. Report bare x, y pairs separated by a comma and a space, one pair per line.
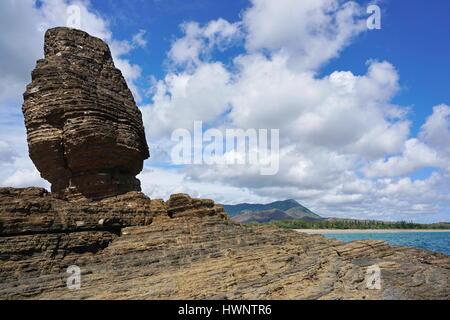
334, 223
236, 209
278, 210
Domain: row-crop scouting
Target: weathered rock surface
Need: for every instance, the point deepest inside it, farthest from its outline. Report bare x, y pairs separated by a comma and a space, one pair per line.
85, 133
187, 248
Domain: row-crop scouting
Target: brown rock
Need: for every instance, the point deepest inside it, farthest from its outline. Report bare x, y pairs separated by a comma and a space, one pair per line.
182, 204
193, 252
85, 133
41, 234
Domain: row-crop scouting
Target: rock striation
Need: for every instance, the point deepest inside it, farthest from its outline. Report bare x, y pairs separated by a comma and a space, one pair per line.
133, 247
85, 133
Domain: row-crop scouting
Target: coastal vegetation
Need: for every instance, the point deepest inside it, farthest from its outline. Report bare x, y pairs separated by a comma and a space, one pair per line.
352, 224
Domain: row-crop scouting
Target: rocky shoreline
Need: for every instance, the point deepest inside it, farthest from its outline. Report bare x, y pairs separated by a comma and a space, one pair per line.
133, 247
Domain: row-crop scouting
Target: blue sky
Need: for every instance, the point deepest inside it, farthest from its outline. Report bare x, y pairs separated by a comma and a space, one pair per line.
363, 114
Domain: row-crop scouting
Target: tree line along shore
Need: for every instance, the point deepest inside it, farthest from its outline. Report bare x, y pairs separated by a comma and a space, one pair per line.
352, 224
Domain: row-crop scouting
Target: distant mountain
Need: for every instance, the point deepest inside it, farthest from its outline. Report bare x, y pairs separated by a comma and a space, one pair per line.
278, 210
262, 216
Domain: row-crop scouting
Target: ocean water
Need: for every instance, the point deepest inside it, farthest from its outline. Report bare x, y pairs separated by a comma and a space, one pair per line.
435, 241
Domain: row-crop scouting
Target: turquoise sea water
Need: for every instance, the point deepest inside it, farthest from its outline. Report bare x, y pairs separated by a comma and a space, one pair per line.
435, 241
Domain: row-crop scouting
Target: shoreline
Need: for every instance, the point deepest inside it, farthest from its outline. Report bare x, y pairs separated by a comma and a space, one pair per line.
327, 231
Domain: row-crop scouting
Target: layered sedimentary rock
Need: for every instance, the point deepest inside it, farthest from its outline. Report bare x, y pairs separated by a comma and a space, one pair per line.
40, 234
132, 247
85, 133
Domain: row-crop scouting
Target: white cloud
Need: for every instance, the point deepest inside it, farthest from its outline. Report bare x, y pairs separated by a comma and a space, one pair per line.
55, 13
23, 178
139, 40
416, 155
341, 112
198, 41
180, 99
308, 32
436, 130
7, 153
170, 181
131, 72
431, 149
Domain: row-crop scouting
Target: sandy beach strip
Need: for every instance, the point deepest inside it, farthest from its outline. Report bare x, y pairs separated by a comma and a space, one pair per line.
321, 231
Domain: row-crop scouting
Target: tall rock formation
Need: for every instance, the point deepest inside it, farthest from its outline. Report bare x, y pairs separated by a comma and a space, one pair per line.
85, 133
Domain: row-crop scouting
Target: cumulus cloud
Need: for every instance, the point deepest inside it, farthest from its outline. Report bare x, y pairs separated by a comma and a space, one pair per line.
436, 130
308, 32
7, 153
331, 112
430, 149
23, 178
172, 181
182, 98
131, 72
415, 155
139, 38
198, 41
